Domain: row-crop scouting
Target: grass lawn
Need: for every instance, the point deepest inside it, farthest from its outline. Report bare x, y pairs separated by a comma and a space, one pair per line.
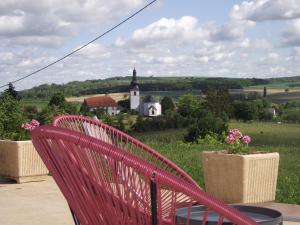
282, 138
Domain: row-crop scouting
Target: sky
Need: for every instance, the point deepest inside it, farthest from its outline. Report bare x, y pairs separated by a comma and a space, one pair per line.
254, 38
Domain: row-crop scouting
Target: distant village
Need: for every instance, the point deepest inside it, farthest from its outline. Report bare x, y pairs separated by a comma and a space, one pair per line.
148, 106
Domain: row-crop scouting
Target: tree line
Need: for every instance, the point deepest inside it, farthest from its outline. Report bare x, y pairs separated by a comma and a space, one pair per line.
119, 84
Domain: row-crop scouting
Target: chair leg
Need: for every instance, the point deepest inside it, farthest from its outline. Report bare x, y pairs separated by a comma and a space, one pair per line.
153, 202
76, 221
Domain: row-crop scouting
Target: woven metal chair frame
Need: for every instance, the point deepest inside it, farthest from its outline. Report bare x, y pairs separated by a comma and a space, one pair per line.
108, 134
105, 185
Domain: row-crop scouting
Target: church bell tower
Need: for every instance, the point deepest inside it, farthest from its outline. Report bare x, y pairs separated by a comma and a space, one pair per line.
134, 92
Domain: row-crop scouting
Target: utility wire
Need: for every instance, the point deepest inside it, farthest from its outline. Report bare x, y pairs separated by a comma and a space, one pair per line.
83, 46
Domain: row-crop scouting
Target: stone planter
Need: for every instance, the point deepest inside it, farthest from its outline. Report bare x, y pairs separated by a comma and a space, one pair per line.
20, 161
241, 178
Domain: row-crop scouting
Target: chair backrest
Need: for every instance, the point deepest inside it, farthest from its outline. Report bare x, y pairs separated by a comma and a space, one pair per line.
110, 135
106, 185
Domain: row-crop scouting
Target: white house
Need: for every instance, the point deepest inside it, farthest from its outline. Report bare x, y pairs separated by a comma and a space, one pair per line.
149, 107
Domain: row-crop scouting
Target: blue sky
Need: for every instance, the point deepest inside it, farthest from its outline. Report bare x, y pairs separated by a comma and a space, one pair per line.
254, 38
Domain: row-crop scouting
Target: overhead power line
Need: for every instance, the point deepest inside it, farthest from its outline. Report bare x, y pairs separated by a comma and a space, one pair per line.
83, 46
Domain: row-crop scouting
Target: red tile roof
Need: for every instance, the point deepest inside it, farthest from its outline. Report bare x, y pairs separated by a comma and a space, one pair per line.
101, 101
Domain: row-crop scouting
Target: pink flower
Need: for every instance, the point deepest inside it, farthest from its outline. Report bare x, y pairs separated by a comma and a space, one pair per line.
235, 133
246, 139
28, 126
35, 122
230, 138
31, 126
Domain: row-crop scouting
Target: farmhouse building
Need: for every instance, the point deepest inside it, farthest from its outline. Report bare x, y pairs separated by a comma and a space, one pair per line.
105, 103
149, 107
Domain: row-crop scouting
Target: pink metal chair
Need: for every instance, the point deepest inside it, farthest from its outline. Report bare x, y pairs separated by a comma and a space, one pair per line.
105, 185
108, 134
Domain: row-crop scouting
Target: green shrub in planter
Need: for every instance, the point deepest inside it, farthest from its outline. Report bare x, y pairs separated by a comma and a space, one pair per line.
11, 119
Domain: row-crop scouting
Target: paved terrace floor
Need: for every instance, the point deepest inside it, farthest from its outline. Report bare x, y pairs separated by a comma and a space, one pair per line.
41, 203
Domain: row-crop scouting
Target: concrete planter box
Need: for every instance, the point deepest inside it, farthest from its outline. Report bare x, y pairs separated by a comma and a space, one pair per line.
241, 178
20, 161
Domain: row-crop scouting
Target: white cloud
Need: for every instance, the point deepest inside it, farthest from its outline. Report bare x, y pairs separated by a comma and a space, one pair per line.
260, 10
11, 25
183, 29
187, 29
44, 41
119, 42
21, 19
274, 56
93, 51
28, 29
245, 43
263, 10
6, 57
278, 70
232, 30
262, 44
31, 33
291, 37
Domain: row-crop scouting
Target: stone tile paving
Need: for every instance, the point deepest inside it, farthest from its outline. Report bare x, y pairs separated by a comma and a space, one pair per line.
41, 203
36, 203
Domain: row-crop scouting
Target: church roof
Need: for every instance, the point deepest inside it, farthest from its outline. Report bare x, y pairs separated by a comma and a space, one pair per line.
100, 101
149, 99
152, 107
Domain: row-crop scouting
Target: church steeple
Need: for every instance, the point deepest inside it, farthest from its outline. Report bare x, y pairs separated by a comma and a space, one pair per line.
134, 92
134, 83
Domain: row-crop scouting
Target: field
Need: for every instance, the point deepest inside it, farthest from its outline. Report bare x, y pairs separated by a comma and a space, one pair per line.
276, 95
282, 138
116, 96
284, 97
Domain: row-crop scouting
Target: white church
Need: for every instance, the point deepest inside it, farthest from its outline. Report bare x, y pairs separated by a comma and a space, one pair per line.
149, 106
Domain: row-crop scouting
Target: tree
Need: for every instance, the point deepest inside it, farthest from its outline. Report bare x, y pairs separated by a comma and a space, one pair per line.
253, 95
218, 102
49, 112
57, 99
31, 111
120, 122
125, 104
12, 92
265, 92
206, 125
167, 104
261, 109
245, 111
188, 105
291, 116
71, 108
57, 106
173, 119
149, 98
11, 118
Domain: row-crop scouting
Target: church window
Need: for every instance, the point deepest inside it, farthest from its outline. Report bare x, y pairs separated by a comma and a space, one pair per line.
134, 93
